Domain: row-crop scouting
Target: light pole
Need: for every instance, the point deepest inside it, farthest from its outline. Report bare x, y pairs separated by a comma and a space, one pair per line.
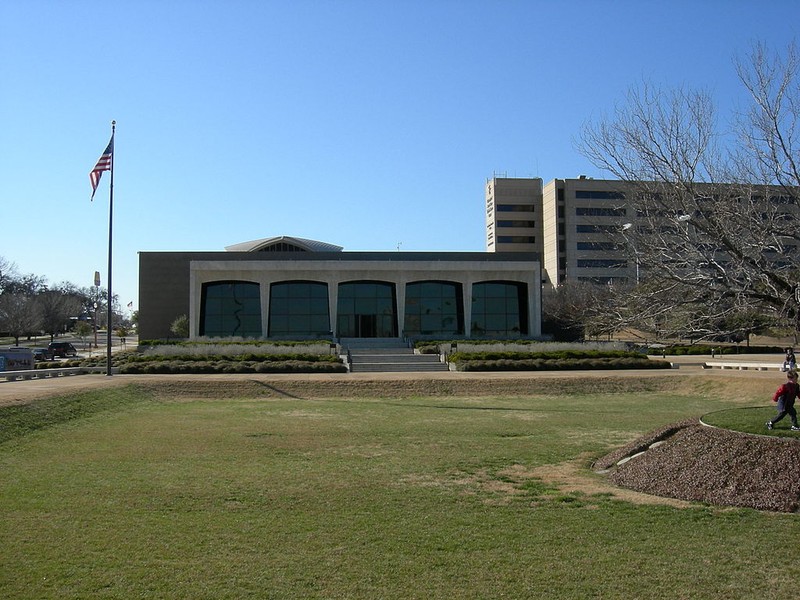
96, 298
625, 227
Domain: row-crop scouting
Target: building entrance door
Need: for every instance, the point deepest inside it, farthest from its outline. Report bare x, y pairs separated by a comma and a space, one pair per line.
366, 309
366, 326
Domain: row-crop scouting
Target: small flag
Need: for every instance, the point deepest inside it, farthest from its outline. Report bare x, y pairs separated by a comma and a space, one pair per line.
103, 164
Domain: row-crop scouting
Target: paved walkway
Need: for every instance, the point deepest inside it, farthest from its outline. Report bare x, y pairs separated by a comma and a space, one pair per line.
22, 391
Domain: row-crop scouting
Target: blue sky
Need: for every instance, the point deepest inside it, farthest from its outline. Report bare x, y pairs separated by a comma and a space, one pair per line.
341, 121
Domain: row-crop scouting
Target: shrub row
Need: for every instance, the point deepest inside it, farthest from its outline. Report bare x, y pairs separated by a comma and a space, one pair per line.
553, 355
707, 349
134, 363
562, 364
224, 342
176, 367
248, 357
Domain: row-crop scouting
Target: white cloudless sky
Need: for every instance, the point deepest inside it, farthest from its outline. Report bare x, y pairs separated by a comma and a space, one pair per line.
369, 124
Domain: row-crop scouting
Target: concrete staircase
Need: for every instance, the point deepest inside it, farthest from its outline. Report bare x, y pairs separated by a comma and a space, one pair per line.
388, 355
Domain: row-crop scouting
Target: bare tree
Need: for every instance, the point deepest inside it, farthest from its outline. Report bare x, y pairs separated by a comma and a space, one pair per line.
19, 315
577, 309
56, 308
8, 273
715, 228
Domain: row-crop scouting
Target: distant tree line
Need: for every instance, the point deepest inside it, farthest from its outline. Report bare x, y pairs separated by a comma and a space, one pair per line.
30, 307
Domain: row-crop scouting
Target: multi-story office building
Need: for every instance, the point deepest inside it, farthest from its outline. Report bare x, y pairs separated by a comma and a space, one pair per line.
583, 224
578, 226
573, 224
514, 215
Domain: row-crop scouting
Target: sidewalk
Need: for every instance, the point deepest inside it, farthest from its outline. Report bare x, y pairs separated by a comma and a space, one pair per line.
23, 391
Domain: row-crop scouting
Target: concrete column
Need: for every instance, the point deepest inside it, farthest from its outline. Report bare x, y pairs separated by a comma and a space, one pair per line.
333, 305
467, 293
400, 295
265, 289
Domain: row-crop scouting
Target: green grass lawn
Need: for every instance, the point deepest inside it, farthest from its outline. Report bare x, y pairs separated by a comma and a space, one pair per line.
751, 420
122, 494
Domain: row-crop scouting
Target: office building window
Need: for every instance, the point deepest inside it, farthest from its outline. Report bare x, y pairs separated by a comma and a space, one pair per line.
515, 208
516, 223
598, 195
597, 228
516, 239
599, 263
604, 246
583, 211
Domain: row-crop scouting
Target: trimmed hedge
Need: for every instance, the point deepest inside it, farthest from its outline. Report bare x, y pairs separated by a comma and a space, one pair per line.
553, 355
288, 343
561, 360
719, 350
248, 357
177, 367
135, 363
561, 364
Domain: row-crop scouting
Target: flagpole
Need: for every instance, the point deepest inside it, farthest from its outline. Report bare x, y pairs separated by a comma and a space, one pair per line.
110, 227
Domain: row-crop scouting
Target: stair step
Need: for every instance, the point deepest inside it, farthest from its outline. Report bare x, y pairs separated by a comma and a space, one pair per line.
387, 355
398, 368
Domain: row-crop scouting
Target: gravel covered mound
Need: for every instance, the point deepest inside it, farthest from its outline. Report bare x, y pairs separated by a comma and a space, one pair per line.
705, 464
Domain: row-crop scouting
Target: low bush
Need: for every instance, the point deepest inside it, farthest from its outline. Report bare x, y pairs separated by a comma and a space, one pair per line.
552, 355
693, 350
561, 364
229, 366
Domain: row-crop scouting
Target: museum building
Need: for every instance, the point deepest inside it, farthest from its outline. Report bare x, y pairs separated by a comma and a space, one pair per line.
294, 288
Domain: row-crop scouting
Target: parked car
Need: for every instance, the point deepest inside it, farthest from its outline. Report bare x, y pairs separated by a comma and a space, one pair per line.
42, 354
62, 349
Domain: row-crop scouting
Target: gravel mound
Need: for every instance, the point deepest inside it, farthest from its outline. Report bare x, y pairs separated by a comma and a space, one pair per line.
716, 466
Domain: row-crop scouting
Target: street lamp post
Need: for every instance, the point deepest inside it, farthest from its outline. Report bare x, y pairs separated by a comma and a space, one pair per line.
96, 298
625, 227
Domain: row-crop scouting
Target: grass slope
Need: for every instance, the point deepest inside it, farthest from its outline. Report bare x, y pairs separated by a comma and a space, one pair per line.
134, 493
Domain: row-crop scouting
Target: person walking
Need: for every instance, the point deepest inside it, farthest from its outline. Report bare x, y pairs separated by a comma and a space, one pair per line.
785, 396
789, 361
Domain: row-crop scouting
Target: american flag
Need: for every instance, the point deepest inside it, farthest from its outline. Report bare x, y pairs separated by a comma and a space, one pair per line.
103, 164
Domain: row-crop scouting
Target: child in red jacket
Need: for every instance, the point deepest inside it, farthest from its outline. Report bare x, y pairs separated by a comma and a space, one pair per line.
785, 396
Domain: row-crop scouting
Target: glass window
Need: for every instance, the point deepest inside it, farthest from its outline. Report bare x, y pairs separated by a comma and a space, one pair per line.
599, 195
299, 309
597, 263
230, 309
515, 208
499, 309
366, 309
603, 246
583, 211
434, 308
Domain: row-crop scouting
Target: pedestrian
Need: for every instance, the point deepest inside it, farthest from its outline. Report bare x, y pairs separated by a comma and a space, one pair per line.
789, 361
785, 396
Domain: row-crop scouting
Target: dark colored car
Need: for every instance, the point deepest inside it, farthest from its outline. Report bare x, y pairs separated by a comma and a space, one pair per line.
62, 349
42, 354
